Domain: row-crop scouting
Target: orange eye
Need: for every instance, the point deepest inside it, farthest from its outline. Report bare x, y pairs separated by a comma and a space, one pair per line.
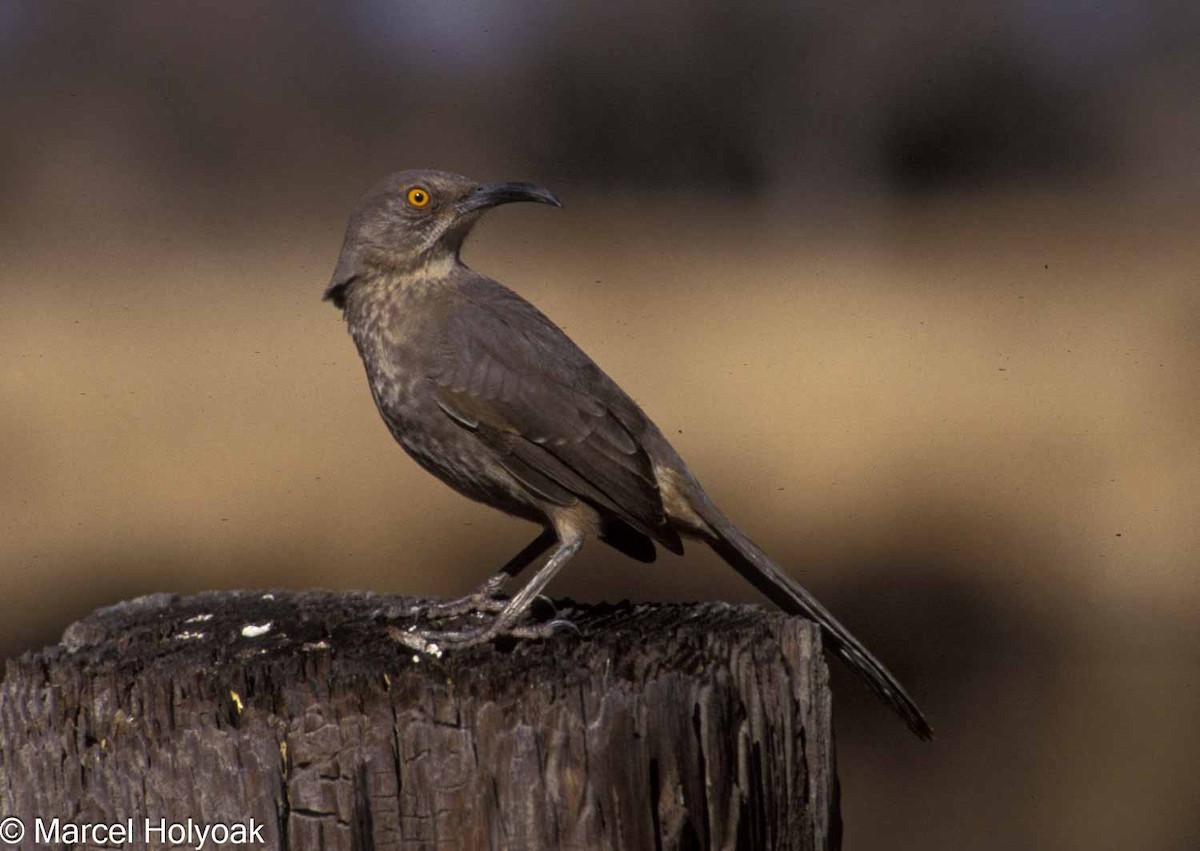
418, 197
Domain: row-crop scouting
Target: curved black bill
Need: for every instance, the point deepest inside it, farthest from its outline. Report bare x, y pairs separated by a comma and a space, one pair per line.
493, 194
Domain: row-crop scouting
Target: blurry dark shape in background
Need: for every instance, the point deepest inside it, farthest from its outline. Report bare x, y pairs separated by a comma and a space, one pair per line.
687, 94
989, 118
911, 286
749, 100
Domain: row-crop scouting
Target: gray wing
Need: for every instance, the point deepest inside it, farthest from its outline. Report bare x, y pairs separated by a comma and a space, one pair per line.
554, 420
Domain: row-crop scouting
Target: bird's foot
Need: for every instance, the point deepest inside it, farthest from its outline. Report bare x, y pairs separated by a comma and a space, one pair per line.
484, 600
436, 642
546, 629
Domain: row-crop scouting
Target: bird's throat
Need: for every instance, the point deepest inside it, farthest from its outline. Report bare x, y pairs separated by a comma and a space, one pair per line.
435, 267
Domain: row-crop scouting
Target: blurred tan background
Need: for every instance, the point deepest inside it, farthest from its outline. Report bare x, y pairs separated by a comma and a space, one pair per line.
913, 288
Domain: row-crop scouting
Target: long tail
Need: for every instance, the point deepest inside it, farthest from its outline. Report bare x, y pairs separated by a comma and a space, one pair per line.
751, 562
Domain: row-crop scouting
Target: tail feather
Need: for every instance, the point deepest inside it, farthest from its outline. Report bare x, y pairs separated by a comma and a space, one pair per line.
752, 563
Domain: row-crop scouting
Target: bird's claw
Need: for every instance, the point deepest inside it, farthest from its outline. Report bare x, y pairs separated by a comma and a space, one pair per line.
542, 630
483, 600
436, 642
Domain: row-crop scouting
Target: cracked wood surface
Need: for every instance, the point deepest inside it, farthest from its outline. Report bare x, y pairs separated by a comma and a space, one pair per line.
653, 727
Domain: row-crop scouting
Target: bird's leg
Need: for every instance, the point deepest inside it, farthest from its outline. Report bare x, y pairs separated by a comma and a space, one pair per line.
506, 620
483, 598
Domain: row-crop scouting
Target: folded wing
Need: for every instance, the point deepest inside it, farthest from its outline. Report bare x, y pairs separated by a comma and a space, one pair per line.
551, 417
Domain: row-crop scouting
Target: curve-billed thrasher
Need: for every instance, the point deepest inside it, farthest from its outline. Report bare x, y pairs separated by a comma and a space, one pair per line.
495, 400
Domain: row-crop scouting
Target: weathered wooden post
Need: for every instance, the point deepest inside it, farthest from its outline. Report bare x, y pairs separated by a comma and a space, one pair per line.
296, 721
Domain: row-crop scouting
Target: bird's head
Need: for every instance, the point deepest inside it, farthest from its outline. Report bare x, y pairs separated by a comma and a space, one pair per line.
416, 220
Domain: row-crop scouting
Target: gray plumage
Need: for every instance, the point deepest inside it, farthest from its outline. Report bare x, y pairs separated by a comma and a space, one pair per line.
490, 396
